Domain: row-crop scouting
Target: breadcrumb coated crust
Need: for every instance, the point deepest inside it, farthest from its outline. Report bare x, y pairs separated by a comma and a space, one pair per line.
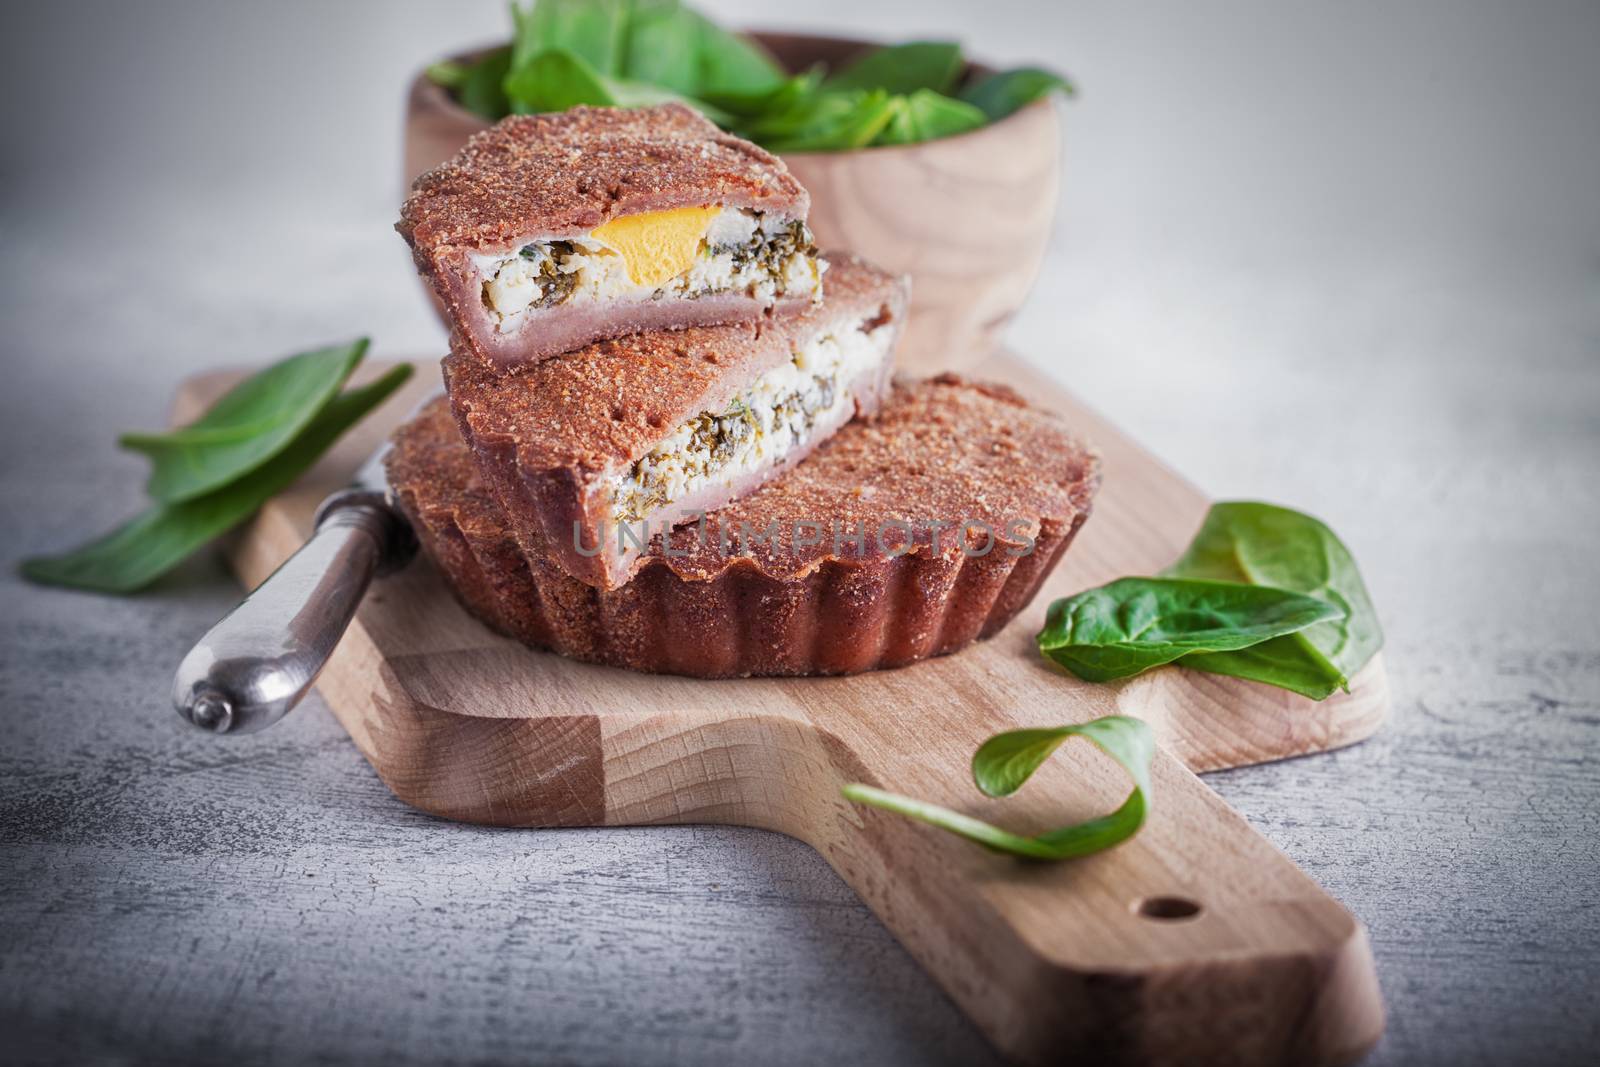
943, 449
563, 174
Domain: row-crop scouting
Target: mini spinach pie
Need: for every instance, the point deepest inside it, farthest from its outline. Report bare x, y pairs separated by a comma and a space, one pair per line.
549, 232
596, 451
939, 460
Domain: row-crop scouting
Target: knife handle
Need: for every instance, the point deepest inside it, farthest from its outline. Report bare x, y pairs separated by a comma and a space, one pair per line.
256, 664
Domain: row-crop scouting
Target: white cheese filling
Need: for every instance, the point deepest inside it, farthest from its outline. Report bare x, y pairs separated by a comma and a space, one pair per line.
762, 425
586, 270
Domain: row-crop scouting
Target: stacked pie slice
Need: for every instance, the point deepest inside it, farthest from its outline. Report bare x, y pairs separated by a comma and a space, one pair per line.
670, 440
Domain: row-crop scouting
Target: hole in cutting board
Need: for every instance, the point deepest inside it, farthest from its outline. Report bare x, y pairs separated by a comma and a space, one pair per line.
1167, 908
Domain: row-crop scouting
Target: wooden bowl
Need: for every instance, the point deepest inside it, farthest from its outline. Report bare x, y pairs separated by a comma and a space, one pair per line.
968, 217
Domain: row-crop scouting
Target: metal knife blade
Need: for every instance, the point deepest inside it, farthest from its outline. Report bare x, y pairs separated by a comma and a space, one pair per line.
251, 668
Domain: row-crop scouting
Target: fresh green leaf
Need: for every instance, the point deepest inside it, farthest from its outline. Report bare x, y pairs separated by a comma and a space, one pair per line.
1283, 661
593, 30
251, 423
638, 53
829, 122
527, 32
1004, 762
663, 47
796, 112
730, 63
903, 69
265, 400
134, 555
555, 80
926, 115
1000, 94
784, 98
482, 90
1266, 545
1134, 624
801, 116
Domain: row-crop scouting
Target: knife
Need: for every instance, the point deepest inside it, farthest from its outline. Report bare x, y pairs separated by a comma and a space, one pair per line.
256, 664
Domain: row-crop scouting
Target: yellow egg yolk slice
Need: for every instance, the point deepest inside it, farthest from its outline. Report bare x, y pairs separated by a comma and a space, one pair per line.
657, 245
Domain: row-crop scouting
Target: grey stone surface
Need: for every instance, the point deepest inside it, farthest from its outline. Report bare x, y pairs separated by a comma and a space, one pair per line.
1346, 257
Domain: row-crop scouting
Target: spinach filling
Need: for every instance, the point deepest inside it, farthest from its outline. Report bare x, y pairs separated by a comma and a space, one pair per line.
561, 263
555, 285
769, 251
716, 440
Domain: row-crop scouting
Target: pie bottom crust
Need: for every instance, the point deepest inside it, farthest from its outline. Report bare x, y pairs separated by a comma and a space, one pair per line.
844, 616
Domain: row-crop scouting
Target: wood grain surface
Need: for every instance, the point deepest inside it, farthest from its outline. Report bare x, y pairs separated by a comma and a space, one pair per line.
1089, 955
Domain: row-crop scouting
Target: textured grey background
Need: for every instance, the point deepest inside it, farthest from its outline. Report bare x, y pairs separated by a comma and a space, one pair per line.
1345, 257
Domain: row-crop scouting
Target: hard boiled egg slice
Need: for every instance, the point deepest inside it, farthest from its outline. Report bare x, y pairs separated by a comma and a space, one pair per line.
657, 245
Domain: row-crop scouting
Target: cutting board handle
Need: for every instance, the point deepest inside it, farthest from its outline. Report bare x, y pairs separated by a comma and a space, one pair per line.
1194, 942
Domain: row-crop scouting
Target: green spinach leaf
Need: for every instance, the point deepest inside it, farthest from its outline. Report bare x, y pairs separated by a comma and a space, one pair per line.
1266, 545
787, 97
135, 554
1000, 94
663, 47
482, 90
1282, 661
1004, 762
557, 79
554, 80
637, 53
926, 115
251, 423
903, 69
1134, 624
593, 30
730, 63
829, 122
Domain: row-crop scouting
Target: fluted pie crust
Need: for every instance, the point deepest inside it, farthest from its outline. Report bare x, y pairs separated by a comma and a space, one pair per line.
942, 450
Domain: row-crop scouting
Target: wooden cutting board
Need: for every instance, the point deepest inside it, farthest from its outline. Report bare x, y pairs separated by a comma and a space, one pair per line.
1195, 942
